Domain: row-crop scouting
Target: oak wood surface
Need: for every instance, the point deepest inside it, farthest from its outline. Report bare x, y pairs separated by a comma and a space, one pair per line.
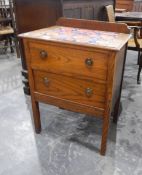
64, 78
69, 88
69, 60
35, 104
58, 34
125, 4
93, 25
119, 61
119, 71
108, 102
31, 15
70, 105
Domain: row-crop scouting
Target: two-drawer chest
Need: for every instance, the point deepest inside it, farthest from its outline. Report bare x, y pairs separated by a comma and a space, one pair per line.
76, 69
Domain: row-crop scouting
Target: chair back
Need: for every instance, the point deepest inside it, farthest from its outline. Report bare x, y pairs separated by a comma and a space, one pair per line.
135, 42
110, 13
4, 9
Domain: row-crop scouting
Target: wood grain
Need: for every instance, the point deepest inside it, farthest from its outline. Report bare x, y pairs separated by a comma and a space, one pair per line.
125, 4
62, 77
93, 25
69, 88
35, 104
65, 60
70, 105
108, 102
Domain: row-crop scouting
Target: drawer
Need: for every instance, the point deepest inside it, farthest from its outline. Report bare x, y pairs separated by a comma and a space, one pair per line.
56, 59
78, 90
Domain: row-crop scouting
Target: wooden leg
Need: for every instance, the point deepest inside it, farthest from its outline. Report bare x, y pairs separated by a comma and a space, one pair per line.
36, 116
116, 111
17, 47
139, 70
5, 45
10, 41
138, 76
104, 135
139, 55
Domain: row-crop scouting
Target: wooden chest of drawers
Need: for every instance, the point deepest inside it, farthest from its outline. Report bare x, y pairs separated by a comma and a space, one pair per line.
76, 69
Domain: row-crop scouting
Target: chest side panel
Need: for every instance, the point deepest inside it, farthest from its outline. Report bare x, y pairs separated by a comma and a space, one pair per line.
118, 75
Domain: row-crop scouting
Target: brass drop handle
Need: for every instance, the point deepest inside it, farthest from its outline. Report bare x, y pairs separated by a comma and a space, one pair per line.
89, 62
43, 54
46, 81
89, 92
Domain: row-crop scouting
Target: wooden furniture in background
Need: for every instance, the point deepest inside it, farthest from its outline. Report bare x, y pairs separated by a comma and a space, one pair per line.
31, 15
110, 13
135, 43
35, 14
6, 30
94, 84
125, 4
12, 14
129, 5
120, 10
86, 9
137, 46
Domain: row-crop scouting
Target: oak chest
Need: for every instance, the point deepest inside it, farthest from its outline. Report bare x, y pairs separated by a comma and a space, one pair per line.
76, 69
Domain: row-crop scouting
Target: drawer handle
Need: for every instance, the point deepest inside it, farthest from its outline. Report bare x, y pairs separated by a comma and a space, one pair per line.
46, 81
89, 92
89, 62
43, 54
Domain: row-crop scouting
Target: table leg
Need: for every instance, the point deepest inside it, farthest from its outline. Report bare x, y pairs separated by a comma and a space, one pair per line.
138, 76
117, 110
104, 135
36, 116
139, 69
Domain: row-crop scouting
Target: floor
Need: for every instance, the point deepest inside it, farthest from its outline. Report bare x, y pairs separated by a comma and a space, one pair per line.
68, 144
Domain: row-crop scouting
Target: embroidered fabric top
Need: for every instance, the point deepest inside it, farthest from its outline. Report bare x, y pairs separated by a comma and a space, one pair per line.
95, 38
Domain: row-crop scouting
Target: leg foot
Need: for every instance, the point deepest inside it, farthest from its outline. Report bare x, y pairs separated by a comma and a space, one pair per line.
38, 130
36, 116
104, 135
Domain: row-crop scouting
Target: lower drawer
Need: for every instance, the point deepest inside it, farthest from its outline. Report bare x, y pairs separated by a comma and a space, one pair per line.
74, 89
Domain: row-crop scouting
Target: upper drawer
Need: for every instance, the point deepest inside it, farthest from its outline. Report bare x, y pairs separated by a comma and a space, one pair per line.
65, 60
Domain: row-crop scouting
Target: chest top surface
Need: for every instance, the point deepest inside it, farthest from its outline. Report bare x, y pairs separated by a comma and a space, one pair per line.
78, 36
